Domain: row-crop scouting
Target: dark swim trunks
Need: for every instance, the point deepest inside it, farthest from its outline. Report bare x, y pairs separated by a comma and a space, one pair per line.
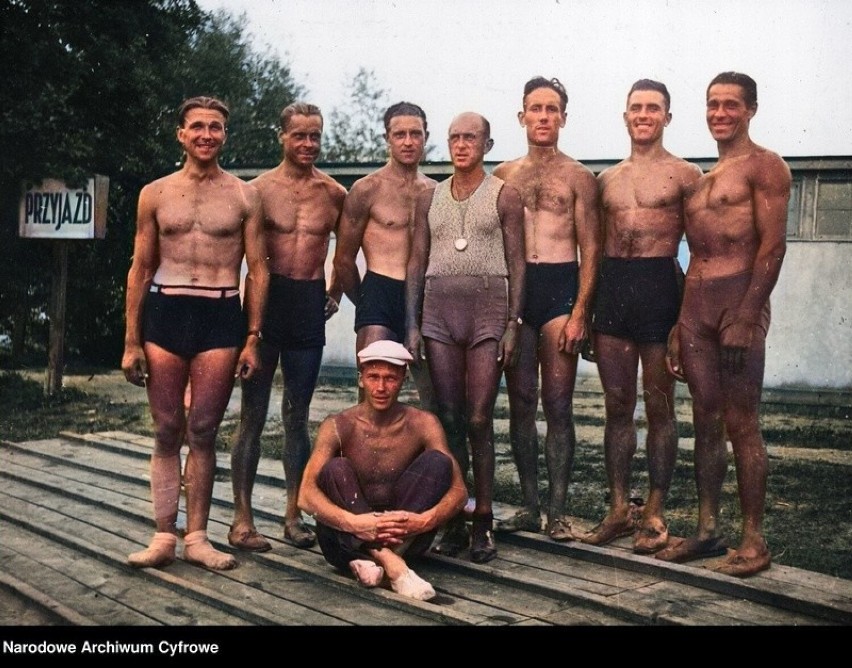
186, 325
638, 298
551, 291
295, 313
381, 301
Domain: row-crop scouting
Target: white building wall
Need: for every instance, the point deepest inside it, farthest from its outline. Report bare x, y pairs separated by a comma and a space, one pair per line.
810, 338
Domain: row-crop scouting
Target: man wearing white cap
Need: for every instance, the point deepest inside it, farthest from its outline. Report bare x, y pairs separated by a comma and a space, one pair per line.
381, 481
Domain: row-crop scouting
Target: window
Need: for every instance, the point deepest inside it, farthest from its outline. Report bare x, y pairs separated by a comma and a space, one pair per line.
833, 209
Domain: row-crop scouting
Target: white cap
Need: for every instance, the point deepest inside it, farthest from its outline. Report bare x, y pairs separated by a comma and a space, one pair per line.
385, 351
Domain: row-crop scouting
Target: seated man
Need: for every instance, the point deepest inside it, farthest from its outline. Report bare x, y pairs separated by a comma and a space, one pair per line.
381, 480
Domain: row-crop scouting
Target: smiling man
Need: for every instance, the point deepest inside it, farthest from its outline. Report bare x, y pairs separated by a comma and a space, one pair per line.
301, 207
185, 323
380, 480
736, 223
562, 245
637, 304
377, 219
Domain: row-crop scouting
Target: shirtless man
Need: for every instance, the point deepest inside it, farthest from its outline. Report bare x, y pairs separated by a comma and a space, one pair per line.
381, 480
377, 218
637, 303
736, 229
301, 207
560, 216
468, 244
185, 322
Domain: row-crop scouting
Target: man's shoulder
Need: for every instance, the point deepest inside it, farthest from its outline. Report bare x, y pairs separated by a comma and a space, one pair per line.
505, 170
768, 158
369, 185
572, 166
335, 189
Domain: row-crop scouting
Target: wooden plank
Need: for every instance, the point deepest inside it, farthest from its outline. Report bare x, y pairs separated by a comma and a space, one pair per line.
61, 585
534, 581
23, 604
360, 610
133, 535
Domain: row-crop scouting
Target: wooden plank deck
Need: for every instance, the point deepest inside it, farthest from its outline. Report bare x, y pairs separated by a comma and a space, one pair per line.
73, 507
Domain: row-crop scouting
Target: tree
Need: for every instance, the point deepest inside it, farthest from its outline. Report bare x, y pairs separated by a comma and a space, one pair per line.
355, 131
221, 62
93, 87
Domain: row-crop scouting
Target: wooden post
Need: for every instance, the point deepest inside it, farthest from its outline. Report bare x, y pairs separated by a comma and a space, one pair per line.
59, 286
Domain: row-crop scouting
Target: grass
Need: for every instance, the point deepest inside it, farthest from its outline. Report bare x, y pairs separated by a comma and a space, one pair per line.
808, 503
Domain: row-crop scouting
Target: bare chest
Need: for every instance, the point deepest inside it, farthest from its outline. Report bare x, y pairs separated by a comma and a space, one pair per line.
720, 191
641, 189
308, 210
543, 190
199, 211
393, 208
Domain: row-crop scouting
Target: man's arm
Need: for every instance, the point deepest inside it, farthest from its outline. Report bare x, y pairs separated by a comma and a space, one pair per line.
350, 234
256, 283
770, 184
139, 277
415, 274
335, 293
587, 228
394, 527
511, 210
313, 500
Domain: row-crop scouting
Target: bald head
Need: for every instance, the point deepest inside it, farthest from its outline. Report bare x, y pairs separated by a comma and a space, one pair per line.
468, 117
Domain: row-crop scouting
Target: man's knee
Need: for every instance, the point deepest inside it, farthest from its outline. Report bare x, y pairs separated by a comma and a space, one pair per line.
201, 428
659, 406
169, 428
523, 398
479, 424
620, 404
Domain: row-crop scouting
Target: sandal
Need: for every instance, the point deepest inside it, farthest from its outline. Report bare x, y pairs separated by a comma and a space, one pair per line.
606, 532
559, 529
454, 539
482, 547
249, 540
525, 519
298, 534
650, 539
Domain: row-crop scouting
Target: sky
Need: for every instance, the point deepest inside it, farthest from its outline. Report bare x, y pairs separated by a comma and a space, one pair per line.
450, 56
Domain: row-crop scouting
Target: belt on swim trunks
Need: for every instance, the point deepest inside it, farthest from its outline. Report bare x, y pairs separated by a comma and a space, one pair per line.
195, 290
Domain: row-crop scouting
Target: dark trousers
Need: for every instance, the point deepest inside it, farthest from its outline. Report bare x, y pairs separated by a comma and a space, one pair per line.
420, 487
